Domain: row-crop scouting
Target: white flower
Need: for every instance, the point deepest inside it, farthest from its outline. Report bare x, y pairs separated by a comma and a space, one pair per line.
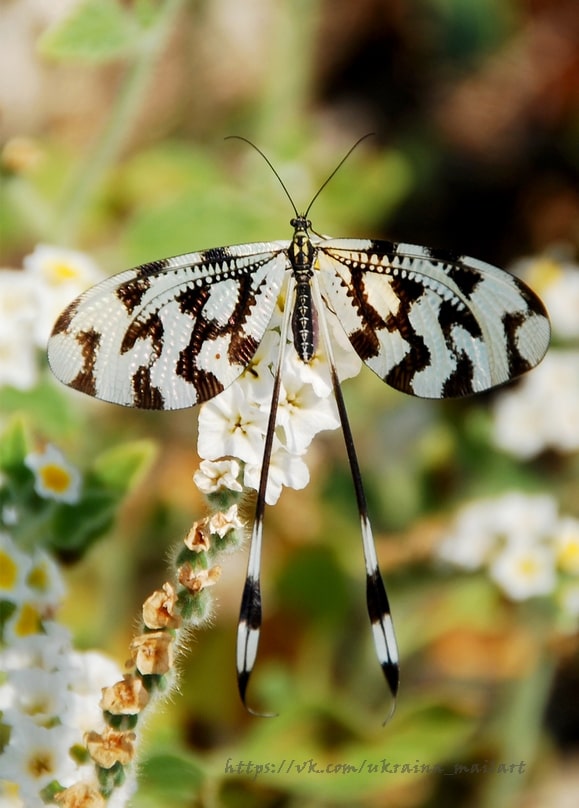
231, 425
212, 476
18, 365
516, 515
541, 412
45, 583
14, 569
39, 693
514, 537
524, 571
284, 469
17, 298
301, 412
35, 756
484, 526
472, 539
88, 673
60, 275
55, 478
45, 650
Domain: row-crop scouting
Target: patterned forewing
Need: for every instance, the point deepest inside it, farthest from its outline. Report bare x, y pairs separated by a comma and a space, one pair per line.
172, 333
430, 323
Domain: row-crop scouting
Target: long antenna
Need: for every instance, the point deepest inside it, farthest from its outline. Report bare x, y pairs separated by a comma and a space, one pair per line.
270, 164
281, 182
337, 168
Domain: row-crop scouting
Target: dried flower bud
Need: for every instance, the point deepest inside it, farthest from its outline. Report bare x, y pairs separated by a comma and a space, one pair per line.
80, 795
198, 538
127, 697
159, 609
224, 521
153, 653
111, 747
196, 580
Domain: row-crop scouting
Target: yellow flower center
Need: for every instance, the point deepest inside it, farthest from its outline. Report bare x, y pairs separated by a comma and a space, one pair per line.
28, 621
38, 578
8, 571
61, 272
42, 763
55, 478
528, 567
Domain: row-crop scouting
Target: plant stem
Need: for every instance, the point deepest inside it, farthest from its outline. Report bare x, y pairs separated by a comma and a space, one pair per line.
113, 137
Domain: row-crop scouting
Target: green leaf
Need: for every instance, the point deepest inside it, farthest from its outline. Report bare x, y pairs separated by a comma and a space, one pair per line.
166, 778
96, 31
14, 445
47, 406
122, 467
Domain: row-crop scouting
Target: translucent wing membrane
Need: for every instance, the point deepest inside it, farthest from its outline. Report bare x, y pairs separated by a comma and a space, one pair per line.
172, 333
431, 323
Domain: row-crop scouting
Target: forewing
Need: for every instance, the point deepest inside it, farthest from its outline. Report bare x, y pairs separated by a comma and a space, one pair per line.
431, 323
172, 333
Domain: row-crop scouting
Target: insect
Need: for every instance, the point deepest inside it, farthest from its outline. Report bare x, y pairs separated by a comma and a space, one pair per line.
176, 332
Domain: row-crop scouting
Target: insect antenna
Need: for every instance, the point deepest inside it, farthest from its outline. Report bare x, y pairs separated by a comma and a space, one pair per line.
281, 182
270, 164
335, 171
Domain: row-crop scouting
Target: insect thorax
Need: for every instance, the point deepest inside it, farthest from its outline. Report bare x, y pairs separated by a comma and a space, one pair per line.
301, 254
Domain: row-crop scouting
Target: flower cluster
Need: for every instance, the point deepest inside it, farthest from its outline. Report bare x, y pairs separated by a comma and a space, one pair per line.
30, 301
233, 425
541, 412
528, 549
166, 615
49, 696
69, 719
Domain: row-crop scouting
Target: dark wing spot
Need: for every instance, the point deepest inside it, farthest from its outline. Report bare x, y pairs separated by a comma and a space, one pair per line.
206, 385
145, 395
460, 381
512, 321
418, 357
85, 380
131, 293
64, 319
365, 343
141, 330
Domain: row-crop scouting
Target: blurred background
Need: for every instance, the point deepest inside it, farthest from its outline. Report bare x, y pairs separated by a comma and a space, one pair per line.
112, 119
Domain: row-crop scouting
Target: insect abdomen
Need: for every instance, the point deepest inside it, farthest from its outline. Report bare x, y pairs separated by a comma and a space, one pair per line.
303, 321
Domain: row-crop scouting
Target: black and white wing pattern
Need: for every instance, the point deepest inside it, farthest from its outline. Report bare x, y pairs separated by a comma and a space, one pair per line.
176, 332
172, 333
432, 323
